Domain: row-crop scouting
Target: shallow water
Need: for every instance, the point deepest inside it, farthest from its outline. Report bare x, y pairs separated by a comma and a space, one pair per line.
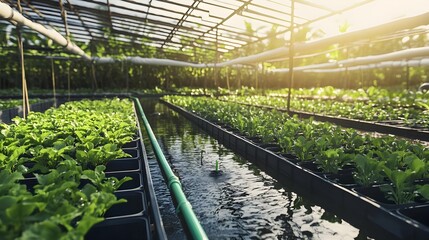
242, 203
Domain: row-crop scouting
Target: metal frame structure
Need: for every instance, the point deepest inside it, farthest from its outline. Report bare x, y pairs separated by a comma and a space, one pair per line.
214, 25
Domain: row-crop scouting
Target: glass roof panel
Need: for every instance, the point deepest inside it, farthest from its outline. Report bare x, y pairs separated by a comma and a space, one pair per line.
239, 22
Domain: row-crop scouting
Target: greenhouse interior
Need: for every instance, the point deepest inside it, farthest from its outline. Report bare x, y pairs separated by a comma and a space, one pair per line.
214, 119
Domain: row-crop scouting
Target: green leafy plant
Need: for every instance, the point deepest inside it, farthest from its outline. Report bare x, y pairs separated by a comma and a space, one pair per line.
368, 170
402, 187
377, 159
332, 160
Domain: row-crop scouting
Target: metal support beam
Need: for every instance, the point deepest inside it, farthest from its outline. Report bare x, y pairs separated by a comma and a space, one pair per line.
291, 52
109, 14
216, 70
309, 22
54, 92
235, 12
76, 12
181, 21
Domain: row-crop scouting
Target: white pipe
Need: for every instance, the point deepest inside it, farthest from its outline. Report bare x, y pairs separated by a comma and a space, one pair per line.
8, 13
302, 68
402, 54
260, 57
393, 26
389, 64
103, 60
397, 25
162, 62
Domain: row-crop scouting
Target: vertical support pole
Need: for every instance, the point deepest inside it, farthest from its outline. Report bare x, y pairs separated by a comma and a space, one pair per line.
346, 78
124, 67
25, 102
263, 80
205, 80
346, 72
227, 78
68, 80
53, 82
256, 76
291, 52
196, 70
408, 75
239, 73
216, 72
94, 78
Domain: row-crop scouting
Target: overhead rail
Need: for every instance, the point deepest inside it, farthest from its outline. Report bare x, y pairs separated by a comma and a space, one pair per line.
7, 13
398, 55
182, 205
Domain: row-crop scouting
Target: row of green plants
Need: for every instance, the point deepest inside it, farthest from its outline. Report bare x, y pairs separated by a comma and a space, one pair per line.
409, 116
66, 150
156, 90
13, 103
375, 160
375, 95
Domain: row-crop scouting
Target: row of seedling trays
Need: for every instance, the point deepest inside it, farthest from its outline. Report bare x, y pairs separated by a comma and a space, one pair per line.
392, 205
402, 121
11, 109
78, 171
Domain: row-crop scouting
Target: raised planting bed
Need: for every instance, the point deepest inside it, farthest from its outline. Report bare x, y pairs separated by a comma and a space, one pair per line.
13, 108
77, 169
341, 192
385, 127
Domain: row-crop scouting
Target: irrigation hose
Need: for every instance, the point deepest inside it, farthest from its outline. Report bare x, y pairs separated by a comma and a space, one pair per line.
183, 206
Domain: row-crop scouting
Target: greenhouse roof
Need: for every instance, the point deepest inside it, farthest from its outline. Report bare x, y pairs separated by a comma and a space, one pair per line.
167, 24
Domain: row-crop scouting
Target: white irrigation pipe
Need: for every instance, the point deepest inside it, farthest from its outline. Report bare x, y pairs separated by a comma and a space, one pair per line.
153, 61
402, 54
148, 61
163, 62
398, 55
388, 64
6, 12
397, 25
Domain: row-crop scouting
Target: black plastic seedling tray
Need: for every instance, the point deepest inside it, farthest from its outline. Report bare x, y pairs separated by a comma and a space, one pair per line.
373, 218
7, 115
135, 206
381, 127
132, 228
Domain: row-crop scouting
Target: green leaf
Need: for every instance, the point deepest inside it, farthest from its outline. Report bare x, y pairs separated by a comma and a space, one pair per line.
42, 230
424, 191
6, 202
85, 224
20, 211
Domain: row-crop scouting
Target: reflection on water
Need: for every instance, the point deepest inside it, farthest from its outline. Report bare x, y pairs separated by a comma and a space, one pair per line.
244, 202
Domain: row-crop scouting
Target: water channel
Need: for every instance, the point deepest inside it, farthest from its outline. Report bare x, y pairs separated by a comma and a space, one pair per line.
242, 203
